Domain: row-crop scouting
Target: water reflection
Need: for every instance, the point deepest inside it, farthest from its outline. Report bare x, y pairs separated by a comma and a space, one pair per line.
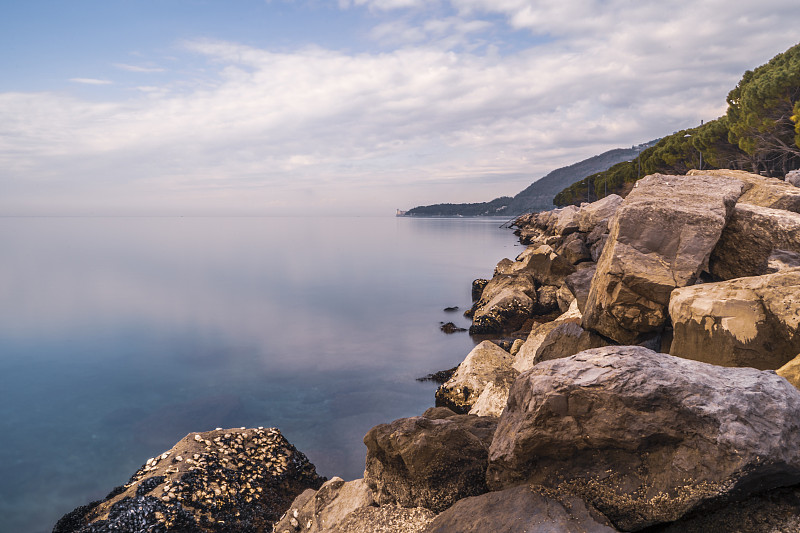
119, 336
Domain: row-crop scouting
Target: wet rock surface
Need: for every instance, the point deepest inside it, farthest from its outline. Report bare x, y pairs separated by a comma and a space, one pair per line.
222, 480
647, 437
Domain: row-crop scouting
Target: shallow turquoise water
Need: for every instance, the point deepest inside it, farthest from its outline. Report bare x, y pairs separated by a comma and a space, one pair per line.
118, 336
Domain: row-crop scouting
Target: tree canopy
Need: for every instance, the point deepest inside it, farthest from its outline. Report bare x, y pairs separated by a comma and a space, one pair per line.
760, 132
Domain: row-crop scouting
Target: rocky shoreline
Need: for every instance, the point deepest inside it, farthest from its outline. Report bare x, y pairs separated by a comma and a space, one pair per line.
652, 386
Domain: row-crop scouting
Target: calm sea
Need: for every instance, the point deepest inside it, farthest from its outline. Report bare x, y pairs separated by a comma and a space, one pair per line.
118, 336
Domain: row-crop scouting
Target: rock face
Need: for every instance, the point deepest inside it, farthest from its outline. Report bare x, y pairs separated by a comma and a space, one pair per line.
579, 284
761, 191
598, 213
486, 364
547, 267
506, 303
520, 509
323, 510
751, 322
793, 178
223, 480
386, 519
428, 461
750, 238
660, 239
647, 437
552, 340
791, 371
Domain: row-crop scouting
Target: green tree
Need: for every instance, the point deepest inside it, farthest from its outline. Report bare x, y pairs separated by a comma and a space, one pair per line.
762, 112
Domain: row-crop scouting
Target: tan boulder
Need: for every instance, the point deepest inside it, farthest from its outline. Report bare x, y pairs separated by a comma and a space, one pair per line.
546, 266
598, 213
323, 510
791, 371
560, 338
745, 322
752, 235
486, 363
660, 239
761, 191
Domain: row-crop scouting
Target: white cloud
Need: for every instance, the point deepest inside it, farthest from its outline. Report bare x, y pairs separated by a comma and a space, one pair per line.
91, 81
432, 120
137, 68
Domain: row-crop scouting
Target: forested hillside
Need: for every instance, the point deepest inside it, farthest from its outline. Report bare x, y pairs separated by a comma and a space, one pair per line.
759, 133
537, 196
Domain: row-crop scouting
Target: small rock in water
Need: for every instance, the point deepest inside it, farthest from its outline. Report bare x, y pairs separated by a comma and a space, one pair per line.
450, 328
451, 309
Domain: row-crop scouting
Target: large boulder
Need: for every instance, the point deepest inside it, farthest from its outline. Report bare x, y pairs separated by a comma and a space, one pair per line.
222, 480
791, 371
506, 302
492, 400
429, 461
562, 337
545, 265
741, 322
520, 509
761, 191
647, 437
574, 249
598, 213
751, 237
323, 510
486, 364
660, 239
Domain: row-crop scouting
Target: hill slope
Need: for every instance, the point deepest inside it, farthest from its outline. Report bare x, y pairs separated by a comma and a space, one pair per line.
539, 195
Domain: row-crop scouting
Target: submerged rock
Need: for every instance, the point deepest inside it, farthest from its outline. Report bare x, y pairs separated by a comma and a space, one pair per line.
222, 480
428, 461
647, 437
661, 238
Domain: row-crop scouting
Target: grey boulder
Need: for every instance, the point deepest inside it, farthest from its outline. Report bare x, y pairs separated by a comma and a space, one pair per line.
520, 509
647, 437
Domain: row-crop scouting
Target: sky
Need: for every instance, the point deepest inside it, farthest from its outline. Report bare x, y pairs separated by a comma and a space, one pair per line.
347, 107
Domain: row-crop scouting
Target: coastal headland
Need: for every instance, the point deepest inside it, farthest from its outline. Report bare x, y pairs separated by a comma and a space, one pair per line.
647, 381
